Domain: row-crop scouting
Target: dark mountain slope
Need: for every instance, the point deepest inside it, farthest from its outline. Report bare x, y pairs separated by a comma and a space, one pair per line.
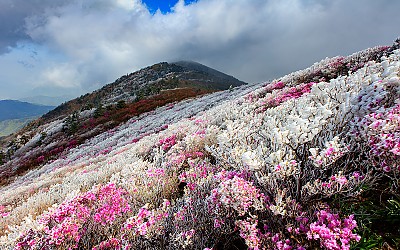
224, 80
12, 109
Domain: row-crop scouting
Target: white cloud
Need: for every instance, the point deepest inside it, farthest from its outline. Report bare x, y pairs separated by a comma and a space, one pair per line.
254, 40
63, 76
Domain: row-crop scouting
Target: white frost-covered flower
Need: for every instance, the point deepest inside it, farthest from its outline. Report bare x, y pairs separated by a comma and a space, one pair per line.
251, 160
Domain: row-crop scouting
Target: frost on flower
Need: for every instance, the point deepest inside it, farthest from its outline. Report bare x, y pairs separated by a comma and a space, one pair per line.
168, 142
281, 202
381, 130
238, 194
287, 168
251, 160
338, 183
147, 222
249, 232
333, 150
185, 239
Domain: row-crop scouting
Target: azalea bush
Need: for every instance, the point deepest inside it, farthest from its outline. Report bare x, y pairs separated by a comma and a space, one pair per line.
290, 164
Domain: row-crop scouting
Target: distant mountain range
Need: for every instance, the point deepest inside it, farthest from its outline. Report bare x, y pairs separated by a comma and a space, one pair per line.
16, 114
12, 109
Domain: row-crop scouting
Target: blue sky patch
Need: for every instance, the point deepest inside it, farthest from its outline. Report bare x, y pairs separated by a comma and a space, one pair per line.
164, 5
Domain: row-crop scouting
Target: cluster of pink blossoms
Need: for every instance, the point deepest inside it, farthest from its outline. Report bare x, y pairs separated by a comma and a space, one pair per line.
177, 159
196, 172
257, 240
290, 93
272, 86
237, 193
283, 244
156, 172
112, 202
283, 95
249, 232
168, 142
268, 88
112, 243
145, 219
382, 130
333, 151
332, 232
27, 241
337, 180
66, 223
3, 213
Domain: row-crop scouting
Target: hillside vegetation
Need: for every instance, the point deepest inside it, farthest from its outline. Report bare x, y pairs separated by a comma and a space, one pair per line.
72, 123
307, 161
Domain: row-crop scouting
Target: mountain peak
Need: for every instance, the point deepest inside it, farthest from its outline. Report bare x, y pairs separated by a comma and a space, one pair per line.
192, 65
150, 81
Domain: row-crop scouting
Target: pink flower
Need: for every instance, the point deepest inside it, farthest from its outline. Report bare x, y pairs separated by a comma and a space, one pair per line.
218, 223
32, 243
4, 215
357, 175
396, 150
168, 142
386, 169
329, 151
329, 229
342, 180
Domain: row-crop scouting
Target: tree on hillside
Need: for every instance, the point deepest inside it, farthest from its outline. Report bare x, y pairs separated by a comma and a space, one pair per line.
99, 111
2, 157
71, 123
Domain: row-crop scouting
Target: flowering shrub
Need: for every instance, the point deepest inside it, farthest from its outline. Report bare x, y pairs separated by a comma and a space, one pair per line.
332, 232
168, 142
260, 167
382, 130
282, 95
66, 224
144, 221
184, 239
250, 233
237, 193
112, 243
333, 151
3, 213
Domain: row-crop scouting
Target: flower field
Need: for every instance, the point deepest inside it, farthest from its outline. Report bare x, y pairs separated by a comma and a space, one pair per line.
307, 161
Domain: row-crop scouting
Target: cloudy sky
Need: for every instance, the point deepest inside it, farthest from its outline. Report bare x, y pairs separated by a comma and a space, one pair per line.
70, 47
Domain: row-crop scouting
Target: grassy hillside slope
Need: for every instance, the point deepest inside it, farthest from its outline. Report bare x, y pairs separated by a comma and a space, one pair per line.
8, 127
